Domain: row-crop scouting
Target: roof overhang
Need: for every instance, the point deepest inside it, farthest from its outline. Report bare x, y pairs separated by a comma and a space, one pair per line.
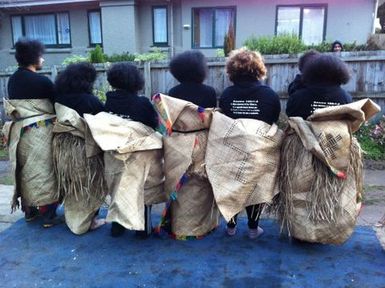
29, 3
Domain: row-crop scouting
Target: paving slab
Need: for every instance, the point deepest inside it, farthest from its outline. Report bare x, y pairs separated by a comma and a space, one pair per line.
31, 256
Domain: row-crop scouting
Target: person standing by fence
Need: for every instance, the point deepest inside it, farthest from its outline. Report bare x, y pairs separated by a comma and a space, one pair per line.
31, 110
249, 98
78, 164
190, 69
126, 103
323, 77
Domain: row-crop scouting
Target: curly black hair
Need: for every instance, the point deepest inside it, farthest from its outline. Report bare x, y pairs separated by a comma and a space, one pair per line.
125, 76
326, 69
76, 78
189, 66
306, 57
28, 51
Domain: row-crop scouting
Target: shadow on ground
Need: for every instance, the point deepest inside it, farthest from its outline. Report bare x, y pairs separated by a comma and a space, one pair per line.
32, 256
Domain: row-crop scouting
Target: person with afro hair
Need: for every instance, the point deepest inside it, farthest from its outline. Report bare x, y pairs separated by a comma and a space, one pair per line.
248, 98
190, 69
303, 60
125, 102
74, 89
25, 83
323, 77
126, 79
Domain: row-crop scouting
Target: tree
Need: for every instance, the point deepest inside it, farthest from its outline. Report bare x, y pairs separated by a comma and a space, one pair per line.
381, 15
229, 44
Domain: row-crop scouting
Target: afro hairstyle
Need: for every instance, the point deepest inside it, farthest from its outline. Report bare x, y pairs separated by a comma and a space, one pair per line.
326, 69
28, 51
306, 57
76, 78
125, 76
189, 66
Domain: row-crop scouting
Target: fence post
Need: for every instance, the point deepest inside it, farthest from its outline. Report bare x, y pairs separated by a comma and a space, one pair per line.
53, 73
147, 79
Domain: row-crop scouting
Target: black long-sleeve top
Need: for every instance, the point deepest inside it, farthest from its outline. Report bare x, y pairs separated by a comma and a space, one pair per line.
81, 102
137, 108
296, 84
26, 84
304, 102
199, 94
250, 99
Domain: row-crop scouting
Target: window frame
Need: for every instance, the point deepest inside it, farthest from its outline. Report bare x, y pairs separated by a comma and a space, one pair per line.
213, 8
89, 28
57, 45
159, 44
302, 7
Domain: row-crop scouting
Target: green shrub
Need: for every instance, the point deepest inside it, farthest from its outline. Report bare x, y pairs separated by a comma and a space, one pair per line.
97, 55
372, 140
322, 47
290, 44
124, 57
280, 44
3, 148
220, 53
155, 55
326, 47
75, 59
100, 92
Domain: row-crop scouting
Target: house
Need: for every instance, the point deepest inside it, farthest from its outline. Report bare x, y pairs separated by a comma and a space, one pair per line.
73, 27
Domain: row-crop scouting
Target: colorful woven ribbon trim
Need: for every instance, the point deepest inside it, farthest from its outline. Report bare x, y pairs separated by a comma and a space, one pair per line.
36, 125
201, 114
164, 121
340, 174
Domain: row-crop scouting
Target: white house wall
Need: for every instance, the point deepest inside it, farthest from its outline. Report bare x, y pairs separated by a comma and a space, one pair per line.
145, 24
350, 21
347, 21
127, 25
79, 40
119, 27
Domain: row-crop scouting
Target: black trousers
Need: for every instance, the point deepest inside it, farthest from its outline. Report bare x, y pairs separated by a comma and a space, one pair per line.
147, 219
253, 214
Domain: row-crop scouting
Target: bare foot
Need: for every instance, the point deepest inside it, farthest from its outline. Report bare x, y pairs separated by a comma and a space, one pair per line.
96, 223
381, 222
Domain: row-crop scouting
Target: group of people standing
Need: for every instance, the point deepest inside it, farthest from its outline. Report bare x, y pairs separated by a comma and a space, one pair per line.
317, 86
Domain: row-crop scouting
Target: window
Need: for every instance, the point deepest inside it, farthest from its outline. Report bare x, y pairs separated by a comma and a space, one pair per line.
210, 25
51, 29
95, 28
159, 25
308, 22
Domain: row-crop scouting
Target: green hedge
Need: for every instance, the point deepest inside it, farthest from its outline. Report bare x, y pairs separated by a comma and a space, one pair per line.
291, 44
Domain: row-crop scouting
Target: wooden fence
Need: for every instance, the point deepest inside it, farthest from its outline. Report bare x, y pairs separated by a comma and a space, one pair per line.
367, 75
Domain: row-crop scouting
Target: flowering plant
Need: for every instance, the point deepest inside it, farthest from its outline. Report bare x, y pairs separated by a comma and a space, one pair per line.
378, 132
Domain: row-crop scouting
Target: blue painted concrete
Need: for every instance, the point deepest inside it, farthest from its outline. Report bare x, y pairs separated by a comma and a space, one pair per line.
31, 256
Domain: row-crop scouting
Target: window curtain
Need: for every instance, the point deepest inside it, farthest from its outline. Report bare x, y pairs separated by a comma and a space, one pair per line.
63, 28
205, 28
41, 27
223, 19
313, 25
288, 20
95, 27
160, 25
17, 29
